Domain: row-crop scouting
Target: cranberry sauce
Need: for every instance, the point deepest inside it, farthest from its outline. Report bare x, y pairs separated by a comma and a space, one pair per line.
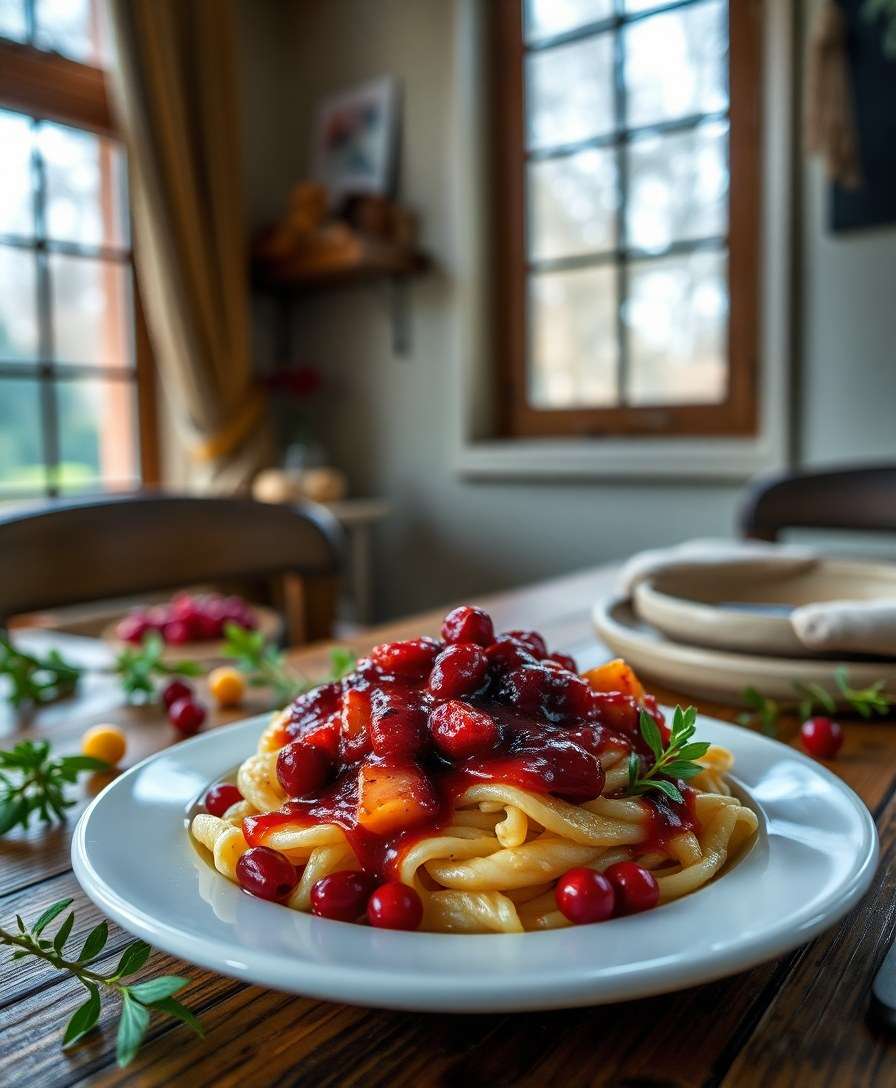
418, 722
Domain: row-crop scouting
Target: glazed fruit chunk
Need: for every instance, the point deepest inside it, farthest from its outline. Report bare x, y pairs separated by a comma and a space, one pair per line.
615, 675
355, 724
461, 669
467, 624
412, 658
460, 730
391, 799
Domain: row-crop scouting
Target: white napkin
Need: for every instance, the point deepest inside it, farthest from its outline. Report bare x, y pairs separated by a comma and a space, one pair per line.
856, 627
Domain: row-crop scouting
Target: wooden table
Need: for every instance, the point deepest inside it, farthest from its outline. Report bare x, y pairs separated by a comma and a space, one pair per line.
799, 1020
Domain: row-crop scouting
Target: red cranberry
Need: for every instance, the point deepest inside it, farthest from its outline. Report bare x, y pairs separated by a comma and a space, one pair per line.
459, 670
585, 895
636, 888
821, 737
175, 690
302, 768
460, 730
507, 653
617, 711
565, 661
341, 896
186, 715
266, 873
533, 642
176, 633
132, 628
395, 906
412, 658
466, 624
219, 798
397, 723
314, 708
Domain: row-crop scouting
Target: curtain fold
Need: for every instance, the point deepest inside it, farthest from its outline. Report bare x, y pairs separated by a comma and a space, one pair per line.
175, 89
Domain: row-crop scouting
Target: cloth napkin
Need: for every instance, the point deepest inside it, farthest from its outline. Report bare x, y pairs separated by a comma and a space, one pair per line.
849, 627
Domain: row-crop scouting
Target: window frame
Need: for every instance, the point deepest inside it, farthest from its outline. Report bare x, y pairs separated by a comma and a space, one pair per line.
50, 87
738, 414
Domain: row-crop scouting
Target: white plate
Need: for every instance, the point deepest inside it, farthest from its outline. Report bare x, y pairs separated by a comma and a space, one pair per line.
815, 856
722, 675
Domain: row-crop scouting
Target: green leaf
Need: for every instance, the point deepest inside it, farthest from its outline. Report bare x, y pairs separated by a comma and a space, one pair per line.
342, 662
682, 769
96, 940
132, 959
48, 915
174, 1008
651, 734
85, 1018
13, 811
753, 698
131, 1030
695, 750
668, 788
67, 764
157, 988
63, 932
634, 768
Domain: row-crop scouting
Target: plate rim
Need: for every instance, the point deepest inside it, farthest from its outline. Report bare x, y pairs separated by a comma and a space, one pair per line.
409, 990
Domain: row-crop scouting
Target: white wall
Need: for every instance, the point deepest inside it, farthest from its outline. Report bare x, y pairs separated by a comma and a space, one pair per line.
389, 421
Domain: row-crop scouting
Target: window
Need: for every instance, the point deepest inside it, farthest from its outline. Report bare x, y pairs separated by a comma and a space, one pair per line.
76, 410
627, 178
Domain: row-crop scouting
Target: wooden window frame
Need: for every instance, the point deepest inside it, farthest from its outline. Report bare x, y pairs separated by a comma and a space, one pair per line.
738, 414
51, 87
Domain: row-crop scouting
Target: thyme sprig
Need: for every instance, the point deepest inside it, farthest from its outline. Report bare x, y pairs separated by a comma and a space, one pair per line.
766, 712
34, 679
139, 667
138, 999
676, 760
30, 781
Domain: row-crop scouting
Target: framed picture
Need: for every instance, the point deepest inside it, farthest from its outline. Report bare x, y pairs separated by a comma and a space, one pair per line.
355, 140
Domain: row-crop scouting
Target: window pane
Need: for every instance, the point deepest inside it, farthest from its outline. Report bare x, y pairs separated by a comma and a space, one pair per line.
85, 187
572, 204
676, 64
678, 186
631, 6
18, 305
545, 18
569, 92
97, 433
21, 456
572, 353
16, 199
12, 20
677, 316
91, 303
71, 27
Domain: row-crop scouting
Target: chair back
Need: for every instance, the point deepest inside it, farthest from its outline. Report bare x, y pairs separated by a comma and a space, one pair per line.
99, 549
858, 499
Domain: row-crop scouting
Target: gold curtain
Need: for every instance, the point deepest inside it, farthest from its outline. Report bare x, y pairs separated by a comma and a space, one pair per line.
175, 89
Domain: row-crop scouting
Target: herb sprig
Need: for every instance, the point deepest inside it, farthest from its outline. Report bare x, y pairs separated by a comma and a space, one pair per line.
138, 999
139, 666
676, 760
30, 781
265, 666
766, 712
33, 679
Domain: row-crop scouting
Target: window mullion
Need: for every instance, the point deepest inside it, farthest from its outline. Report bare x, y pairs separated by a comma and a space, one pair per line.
619, 107
48, 406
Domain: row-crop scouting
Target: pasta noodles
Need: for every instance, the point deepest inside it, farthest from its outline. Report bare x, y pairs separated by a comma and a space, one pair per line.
479, 811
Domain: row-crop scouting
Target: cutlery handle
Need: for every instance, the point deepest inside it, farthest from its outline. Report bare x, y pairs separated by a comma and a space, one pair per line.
883, 990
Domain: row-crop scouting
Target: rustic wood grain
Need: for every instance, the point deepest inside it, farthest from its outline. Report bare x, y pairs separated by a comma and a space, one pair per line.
794, 1021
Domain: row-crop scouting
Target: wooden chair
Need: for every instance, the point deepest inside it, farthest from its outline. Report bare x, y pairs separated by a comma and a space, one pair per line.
100, 549
857, 499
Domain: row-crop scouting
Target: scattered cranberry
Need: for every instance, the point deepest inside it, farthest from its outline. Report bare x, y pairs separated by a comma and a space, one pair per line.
174, 691
176, 633
186, 715
584, 896
821, 737
132, 628
459, 670
341, 896
636, 888
533, 641
460, 730
466, 624
302, 768
412, 658
565, 661
395, 906
266, 873
219, 798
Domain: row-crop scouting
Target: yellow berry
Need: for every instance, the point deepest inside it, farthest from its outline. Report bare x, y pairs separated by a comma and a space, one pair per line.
105, 742
227, 685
